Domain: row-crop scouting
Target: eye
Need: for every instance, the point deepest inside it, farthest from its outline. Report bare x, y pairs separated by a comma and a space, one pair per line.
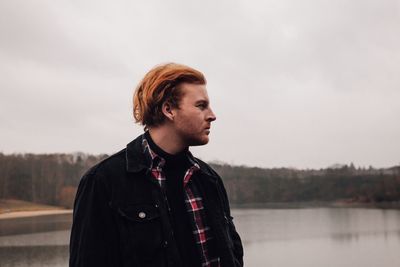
202, 106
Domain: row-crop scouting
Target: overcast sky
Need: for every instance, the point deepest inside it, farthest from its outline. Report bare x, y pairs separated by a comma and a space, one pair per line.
293, 83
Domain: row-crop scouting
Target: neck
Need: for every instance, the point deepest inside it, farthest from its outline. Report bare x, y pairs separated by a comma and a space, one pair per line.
167, 140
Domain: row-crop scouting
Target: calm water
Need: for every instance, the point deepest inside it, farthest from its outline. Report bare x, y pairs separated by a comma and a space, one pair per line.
317, 237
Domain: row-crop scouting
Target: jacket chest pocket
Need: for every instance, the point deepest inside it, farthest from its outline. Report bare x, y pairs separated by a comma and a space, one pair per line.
141, 229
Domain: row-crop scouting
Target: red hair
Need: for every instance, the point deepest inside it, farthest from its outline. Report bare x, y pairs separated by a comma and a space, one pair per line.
162, 84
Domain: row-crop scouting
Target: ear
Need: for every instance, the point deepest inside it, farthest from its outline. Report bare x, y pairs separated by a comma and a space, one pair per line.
168, 111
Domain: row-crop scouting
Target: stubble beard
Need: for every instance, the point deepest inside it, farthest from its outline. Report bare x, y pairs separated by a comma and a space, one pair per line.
195, 139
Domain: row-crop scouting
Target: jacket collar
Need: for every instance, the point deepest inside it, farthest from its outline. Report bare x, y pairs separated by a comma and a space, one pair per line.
135, 158
137, 161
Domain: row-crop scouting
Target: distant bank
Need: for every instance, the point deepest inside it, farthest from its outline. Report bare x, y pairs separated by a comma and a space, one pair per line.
12, 208
318, 204
22, 214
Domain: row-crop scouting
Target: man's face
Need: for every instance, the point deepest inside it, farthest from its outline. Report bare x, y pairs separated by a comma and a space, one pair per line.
193, 118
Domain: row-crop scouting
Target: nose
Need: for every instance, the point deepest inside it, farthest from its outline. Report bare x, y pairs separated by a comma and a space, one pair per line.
211, 116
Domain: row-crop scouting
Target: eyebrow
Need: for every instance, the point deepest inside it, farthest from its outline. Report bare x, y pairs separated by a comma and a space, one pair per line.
203, 101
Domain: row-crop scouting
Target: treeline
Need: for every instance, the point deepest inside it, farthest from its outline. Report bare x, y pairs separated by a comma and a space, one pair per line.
53, 179
43, 178
343, 183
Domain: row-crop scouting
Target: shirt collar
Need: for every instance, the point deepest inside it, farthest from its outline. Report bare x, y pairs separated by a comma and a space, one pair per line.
137, 160
158, 162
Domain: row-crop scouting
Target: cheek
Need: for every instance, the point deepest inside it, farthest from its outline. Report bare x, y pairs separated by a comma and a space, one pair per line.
190, 124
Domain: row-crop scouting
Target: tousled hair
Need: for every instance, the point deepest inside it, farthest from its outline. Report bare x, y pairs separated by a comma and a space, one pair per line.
160, 85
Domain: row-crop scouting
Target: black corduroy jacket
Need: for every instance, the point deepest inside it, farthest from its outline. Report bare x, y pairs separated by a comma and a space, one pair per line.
121, 217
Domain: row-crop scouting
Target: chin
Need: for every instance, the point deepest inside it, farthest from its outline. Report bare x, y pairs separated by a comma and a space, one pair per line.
198, 141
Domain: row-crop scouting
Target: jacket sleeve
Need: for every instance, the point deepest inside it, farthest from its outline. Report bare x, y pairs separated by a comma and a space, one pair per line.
237, 242
94, 240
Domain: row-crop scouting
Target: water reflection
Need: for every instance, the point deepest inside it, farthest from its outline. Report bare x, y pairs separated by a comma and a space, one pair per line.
54, 238
35, 241
264, 225
328, 237
46, 223
320, 237
34, 256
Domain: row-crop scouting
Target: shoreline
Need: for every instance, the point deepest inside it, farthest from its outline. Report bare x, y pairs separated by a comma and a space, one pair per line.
34, 213
317, 204
270, 205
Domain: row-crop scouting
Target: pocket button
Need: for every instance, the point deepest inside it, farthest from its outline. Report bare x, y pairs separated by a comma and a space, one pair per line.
142, 215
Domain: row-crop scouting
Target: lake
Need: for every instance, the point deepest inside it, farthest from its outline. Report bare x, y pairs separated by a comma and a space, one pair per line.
308, 237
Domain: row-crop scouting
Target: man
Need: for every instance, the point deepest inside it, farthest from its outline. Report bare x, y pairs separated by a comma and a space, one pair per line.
153, 203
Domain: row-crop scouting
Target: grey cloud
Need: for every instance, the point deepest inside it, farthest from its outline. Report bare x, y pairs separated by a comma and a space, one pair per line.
293, 83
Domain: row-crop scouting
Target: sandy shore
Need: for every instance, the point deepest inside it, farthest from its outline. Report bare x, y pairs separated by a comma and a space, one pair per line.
22, 214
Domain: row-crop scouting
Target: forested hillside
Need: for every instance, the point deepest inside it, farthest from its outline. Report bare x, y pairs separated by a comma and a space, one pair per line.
338, 183
53, 179
43, 178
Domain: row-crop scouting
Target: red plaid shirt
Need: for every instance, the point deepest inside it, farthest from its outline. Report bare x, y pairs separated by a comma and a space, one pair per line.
193, 203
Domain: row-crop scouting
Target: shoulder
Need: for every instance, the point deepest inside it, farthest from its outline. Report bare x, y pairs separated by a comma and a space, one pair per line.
207, 168
97, 178
219, 182
107, 166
